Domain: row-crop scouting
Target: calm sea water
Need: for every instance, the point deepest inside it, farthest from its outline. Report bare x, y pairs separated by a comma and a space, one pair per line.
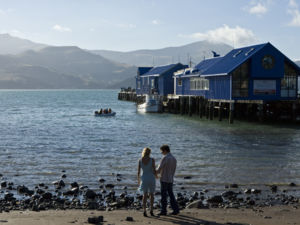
43, 132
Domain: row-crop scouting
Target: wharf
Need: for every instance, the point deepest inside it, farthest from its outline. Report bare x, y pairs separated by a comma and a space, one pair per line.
249, 110
127, 94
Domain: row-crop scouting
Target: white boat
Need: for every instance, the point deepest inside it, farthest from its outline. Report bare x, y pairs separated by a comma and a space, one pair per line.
105, 114
152, 104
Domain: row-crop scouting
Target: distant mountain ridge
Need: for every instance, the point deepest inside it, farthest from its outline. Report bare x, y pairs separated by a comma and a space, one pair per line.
62, 67
14, 45
195, 52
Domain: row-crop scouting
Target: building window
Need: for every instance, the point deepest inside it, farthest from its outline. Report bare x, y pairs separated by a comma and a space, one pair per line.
199, 83
145, 81
289, 81
138, 84
240, 80
264, 87
179, 82
152, 83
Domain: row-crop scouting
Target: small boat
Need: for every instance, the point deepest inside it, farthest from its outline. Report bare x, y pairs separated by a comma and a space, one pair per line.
105, 114
152, 104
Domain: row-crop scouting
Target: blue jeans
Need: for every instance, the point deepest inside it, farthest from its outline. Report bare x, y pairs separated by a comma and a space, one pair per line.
167, 189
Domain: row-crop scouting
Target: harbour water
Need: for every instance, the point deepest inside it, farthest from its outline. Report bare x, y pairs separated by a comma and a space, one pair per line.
45, 132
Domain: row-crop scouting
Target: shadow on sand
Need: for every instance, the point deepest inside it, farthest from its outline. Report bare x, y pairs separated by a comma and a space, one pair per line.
187, 220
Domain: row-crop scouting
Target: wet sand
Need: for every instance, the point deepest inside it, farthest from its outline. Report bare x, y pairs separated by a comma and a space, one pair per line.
275, 215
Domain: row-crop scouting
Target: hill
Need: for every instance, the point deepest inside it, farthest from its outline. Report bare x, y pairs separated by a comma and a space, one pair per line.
15, 45
61, 67
197, 51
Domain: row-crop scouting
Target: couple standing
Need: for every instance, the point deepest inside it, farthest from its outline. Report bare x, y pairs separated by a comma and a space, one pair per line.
166, 169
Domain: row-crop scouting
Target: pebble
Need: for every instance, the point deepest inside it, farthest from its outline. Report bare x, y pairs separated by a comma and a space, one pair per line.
129, 218
95, 220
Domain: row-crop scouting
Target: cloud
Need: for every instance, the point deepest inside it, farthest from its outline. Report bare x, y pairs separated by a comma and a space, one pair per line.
258, 9
126, 25
155, 22
293, 10
61, 28
236, 36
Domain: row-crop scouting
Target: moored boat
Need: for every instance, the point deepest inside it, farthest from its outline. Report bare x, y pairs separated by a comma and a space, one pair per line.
152, 104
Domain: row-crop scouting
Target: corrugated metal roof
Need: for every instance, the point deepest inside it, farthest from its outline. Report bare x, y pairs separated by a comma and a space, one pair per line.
143, 70
233, 59
226, 64
207, 63
159, 69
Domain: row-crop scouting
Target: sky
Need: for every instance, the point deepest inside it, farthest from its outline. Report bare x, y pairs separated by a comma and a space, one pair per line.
126, 25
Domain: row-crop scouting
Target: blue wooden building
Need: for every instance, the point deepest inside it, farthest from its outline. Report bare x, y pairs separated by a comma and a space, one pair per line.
259, 72
157, 80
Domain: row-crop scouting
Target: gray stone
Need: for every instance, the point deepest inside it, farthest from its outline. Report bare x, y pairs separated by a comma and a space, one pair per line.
90, 194
215, 199
129, 218
95, 220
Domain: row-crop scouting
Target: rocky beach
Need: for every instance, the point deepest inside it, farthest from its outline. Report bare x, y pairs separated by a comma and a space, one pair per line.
65, 200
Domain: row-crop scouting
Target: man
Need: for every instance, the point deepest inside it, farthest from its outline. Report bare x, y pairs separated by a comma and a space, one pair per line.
167, 169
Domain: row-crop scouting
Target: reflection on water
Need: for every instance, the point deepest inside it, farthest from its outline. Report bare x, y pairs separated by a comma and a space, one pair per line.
45, 132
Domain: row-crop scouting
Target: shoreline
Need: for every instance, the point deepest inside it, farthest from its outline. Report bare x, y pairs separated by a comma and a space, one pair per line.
64, 195
275, 215
62, 202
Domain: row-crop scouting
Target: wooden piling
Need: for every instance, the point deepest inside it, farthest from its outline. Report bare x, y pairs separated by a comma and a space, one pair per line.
231, 112
294, 110
211, 110
201, 107
190, 105
260, 108
220, 111
207, 109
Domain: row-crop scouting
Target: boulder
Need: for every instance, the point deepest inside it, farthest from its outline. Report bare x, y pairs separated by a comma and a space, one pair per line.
215, 199
234, 186
255, 191
247, 191
47, 196
228, 194
90, 194
3, 184
109, 186
95, 220
129, 218
274, 188
74, 185
22, 189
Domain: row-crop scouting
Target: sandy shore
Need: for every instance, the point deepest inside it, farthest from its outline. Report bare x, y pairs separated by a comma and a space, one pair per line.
276, 215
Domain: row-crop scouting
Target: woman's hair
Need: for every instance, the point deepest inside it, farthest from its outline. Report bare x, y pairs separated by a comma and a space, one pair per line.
146, 152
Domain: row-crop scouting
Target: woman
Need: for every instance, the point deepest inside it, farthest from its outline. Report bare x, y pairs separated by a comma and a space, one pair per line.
147, 180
